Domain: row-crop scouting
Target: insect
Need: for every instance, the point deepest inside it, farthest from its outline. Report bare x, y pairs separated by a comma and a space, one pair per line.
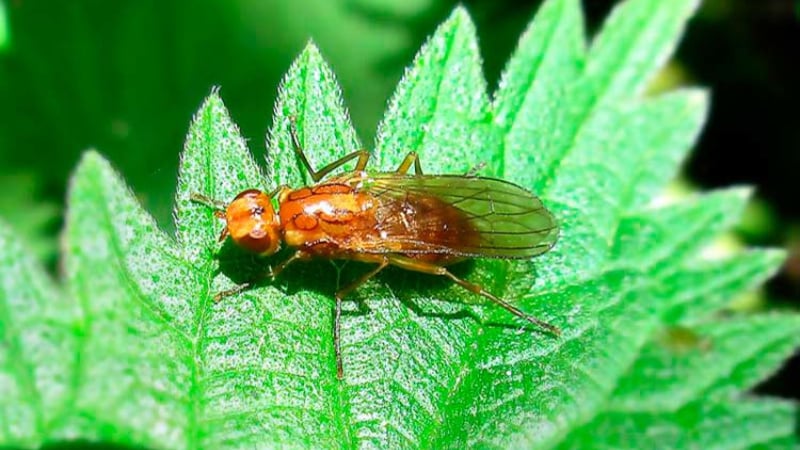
417, 222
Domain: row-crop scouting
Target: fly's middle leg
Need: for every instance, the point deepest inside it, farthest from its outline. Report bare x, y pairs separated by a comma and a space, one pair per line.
382, 261
411, 158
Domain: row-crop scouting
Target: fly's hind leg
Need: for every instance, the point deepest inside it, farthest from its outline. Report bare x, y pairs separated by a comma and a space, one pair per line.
424, 267
337, 313
316, 175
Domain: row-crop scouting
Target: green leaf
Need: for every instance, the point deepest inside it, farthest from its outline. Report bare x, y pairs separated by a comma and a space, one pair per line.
137, 352
440, 108
550, 57
722, 358
206, 374
677, 231
716, 281
5, 35
138, 347
743, 423
308, 93
39, 330
213, 147
247, 365
635, 42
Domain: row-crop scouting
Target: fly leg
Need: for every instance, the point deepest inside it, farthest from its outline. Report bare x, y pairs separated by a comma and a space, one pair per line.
424, 267
296, 256
337, 313
411, 158
362, 155
216, 205
278, 190
473, 172
272, 273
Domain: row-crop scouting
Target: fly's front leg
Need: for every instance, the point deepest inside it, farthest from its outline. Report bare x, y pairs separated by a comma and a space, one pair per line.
232, 291
271, 273
433, 269
299, 255
362, 155
383, 261
216, 205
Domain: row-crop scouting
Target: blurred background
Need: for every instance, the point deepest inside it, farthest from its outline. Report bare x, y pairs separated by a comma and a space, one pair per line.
125, 77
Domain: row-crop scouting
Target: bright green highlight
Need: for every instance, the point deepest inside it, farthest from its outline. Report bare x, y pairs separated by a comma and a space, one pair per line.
5, 34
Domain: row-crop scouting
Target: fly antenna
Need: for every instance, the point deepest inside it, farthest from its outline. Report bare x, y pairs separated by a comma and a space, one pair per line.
208, 201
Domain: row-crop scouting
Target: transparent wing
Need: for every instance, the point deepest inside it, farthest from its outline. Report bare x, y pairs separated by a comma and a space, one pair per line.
460, 216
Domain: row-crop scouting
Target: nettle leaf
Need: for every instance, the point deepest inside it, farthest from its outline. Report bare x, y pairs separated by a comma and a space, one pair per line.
740, 423
440, 108
717, 359
134, 351
309, 94
39, 333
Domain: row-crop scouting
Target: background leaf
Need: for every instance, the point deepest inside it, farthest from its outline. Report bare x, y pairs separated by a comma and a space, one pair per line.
38, 336
440, 107
148, 359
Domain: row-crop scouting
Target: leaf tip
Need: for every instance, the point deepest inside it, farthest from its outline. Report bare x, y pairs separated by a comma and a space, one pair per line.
459, 13
459, 20
309, 57
212, 102
742, 193
698, 99
310, 53
90, 158
91, 165
774, 257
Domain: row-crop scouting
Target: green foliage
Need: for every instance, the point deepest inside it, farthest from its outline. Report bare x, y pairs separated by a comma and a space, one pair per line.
4, 35
109, 85
134, 351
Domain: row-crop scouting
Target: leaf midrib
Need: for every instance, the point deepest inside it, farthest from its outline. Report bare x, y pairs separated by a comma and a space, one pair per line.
418, 140
424, 121
197, 341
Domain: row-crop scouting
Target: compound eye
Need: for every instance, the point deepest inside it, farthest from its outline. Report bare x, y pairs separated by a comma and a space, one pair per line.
250, 193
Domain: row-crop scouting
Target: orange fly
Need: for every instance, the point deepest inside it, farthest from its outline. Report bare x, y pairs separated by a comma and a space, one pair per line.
414, 221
